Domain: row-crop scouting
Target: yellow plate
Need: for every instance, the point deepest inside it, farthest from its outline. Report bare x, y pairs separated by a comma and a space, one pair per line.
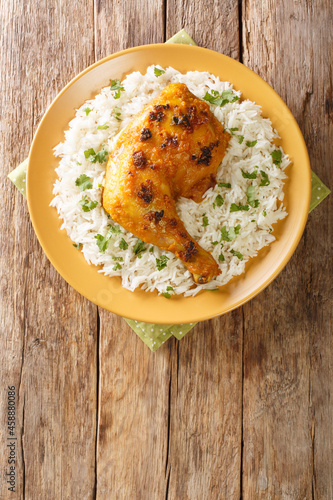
108, 292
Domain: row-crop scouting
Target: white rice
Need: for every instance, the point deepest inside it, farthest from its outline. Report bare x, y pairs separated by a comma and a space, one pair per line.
255, 225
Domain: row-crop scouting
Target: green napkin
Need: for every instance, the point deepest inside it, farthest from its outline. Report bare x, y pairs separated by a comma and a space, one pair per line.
155, 335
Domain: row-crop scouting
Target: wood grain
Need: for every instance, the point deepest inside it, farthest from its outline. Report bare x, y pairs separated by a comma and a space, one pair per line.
48, 330
288, 345
242, 406
134, 382
205, 436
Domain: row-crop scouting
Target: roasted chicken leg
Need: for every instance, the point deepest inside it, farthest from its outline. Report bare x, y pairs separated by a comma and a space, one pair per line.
172, 148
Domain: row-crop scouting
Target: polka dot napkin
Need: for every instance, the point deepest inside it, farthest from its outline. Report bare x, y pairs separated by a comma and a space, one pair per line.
155, 335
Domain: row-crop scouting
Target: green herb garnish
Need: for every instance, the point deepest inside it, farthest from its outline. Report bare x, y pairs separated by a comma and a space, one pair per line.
158, 71
219, 200
93, 157
87, 205
117, 113
138, 248
277, 157
248, 175
84, 182
205, 222
169, 289
123, 245
221, 257
250, 193
116, 267
103, 127
237, 208
224, 185
264, 179
215, 242
117, 86
162, 262
240, 138
78, 246
114, 229
166, 295
103, 241
250, 144
220, 99
119, 259
237, 254
264, 213
231, 234
87, 111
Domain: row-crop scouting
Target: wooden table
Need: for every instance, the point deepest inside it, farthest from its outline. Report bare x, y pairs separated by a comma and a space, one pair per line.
242, 407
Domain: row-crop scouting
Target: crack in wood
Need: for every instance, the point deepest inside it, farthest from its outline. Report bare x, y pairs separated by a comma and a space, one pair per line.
242, 410
167, 486
169, 424
98, 326
240, 29
22, 450
313, 460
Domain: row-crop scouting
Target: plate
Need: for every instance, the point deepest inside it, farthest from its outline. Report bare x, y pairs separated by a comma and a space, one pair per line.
108, 292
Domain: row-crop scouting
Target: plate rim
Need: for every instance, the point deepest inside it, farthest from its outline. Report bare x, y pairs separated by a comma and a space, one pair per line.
306, 166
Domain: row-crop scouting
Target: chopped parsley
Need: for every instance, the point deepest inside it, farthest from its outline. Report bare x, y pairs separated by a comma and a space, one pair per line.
250, 144
103, 241
84, 182
119, 259
220, 99
166, 294
87, 205
78, 246
117, 86
123, 245
158, 72
264, 179
162, 262
239, 137
237, 254
87, 111
221, 257
237, 208
103, 127
250, 193
138, 248
117, 114
116, 267
151, 249
277, 157
219, 200
114, 229
215, 242
205, 222
93, 157
231, 234
264, 213
248, 175
224, 185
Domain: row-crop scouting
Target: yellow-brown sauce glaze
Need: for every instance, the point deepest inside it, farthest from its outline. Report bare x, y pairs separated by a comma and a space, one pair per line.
172, 148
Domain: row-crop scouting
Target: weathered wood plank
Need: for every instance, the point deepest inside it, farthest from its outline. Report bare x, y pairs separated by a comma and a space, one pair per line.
48, 332
204, 459
288, 346
134, 383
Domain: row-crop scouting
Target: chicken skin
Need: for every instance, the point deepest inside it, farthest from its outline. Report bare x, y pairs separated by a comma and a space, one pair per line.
172, 148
